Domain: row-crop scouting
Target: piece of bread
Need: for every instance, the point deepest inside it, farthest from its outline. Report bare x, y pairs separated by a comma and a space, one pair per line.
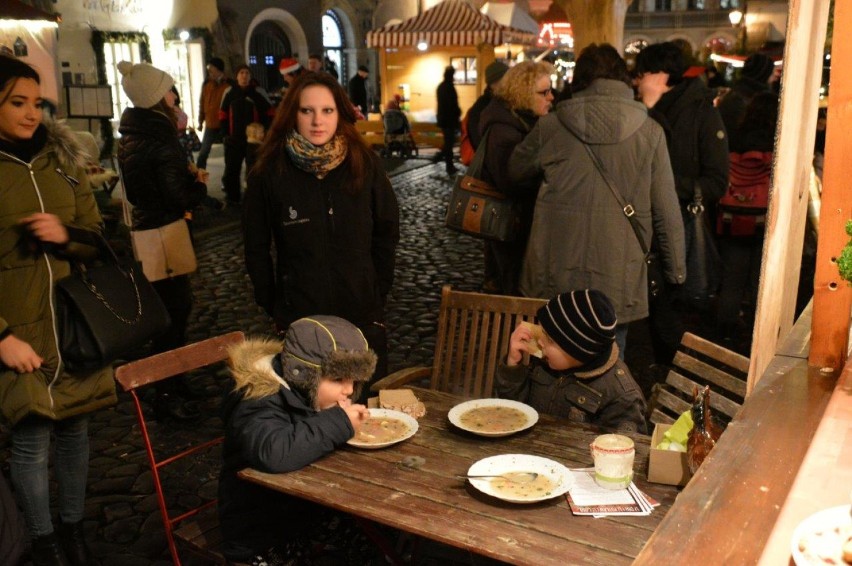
536, 332
401, 400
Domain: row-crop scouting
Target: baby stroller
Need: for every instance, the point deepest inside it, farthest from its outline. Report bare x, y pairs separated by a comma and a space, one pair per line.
398, 139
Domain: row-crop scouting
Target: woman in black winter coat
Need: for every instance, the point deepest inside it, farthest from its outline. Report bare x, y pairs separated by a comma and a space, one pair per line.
522, 96
161, 188
322, 197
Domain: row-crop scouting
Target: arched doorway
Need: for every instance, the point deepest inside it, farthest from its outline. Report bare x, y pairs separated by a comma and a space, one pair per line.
333, 46
272, 34
267, 45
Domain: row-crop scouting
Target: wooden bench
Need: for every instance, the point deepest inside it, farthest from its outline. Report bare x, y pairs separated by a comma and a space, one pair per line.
699, 362
373, 132
472, 339
426, 134
196, 528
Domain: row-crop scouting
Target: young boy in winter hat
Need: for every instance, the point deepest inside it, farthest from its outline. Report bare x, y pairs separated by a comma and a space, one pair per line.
579, 375
291, 406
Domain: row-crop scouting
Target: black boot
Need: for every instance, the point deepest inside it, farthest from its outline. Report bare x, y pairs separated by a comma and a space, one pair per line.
74, 544
171, 406
48, 552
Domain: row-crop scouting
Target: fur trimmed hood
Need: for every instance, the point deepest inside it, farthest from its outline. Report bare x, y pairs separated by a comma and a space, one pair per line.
251, 368
69, 151
313, 348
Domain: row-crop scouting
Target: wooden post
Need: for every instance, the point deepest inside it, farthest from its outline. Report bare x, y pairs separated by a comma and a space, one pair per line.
832, 295
782, 250
594, 21
387, 94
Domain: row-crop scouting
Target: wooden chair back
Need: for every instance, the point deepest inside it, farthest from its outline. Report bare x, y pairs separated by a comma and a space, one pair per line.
201, 534
699, 362
473, 336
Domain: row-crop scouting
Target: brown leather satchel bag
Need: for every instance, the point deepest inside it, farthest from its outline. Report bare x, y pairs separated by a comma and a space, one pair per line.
478, 209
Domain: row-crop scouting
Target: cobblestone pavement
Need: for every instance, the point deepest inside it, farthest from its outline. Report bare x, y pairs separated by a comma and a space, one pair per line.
122, 520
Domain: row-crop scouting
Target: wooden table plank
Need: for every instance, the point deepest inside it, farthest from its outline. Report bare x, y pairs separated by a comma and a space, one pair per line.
432, 502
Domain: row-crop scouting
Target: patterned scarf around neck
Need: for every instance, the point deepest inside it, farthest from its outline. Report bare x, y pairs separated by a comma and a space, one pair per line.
316, 159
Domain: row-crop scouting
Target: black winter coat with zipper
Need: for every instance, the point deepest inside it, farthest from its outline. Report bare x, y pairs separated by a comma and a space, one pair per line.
335, 251
154, 169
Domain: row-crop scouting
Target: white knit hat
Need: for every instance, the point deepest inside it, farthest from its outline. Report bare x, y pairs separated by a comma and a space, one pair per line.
144, 84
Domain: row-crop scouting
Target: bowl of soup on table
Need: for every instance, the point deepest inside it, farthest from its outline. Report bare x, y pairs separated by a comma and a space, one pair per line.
493, 417
383, 428
512, 475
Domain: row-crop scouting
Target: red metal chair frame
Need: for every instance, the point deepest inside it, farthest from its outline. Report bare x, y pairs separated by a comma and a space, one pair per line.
159, 367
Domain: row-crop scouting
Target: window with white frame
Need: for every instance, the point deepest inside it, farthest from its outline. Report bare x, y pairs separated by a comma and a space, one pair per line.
332, 43
114, 53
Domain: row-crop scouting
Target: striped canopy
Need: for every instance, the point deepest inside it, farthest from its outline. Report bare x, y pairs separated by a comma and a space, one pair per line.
452, 22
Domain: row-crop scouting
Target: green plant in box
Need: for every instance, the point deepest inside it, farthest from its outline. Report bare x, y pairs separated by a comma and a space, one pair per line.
844, 262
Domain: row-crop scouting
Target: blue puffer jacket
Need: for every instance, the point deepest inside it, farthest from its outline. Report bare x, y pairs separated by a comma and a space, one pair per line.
275, 432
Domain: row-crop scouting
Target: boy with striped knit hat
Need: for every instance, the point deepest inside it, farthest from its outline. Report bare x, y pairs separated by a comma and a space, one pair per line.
579, 375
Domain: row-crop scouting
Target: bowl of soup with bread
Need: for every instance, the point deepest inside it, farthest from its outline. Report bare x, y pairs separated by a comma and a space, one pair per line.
493, 417
384, 427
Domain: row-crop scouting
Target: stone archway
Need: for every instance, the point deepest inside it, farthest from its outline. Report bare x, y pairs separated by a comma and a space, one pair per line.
285, 34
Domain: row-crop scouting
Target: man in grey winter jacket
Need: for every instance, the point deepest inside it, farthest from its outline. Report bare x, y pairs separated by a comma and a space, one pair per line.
581, 237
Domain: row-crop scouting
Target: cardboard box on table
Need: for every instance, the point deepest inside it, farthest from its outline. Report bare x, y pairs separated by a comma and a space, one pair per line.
666, 466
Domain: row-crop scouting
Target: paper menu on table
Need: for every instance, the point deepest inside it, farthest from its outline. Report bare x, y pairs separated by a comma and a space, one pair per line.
587, 498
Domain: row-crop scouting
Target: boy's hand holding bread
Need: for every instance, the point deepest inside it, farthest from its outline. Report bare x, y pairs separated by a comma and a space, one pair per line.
525, 338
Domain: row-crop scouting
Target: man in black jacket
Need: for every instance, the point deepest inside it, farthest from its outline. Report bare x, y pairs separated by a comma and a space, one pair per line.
242, 105
449, 115
358, 89
698, 148
493, 73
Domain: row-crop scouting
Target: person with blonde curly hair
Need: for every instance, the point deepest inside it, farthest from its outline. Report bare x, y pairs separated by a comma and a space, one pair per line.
522, 96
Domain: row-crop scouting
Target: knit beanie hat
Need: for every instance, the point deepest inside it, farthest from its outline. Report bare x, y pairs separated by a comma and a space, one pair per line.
217, 62
582, 323
288, 65
144, 84
758, 67
324, 346
494, 72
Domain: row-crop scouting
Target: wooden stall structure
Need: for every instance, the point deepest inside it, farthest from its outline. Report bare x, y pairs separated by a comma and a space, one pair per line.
450, 33
786, 455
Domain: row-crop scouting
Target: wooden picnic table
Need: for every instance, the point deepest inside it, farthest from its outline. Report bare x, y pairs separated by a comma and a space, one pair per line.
432, 502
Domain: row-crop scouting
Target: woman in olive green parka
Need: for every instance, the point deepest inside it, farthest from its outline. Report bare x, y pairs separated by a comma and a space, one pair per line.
46, 205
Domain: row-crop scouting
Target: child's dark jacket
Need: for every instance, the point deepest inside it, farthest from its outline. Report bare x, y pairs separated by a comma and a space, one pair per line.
276, 432
606, 396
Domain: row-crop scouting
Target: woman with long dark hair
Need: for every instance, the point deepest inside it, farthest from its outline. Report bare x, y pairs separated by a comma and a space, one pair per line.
46, 211
321, 195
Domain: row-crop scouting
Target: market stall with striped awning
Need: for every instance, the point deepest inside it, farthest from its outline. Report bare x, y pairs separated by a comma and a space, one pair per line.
450, 23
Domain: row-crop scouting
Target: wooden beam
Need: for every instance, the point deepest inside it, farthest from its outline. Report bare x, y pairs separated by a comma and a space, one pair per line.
782, 251
594, 21
832, 295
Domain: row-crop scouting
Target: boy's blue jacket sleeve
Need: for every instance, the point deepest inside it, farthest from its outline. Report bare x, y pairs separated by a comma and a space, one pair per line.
280, 434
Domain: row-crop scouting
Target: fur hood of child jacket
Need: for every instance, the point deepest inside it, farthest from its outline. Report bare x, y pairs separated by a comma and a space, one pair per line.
605, 396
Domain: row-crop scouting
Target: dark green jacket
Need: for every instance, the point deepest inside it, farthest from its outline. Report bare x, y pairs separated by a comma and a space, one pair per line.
54, 181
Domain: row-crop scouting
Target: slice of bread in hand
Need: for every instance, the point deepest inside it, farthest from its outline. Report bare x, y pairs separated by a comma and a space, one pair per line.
536, 332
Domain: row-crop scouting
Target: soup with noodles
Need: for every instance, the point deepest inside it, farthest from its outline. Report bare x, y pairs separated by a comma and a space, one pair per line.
493, 419
381, 430
518, 486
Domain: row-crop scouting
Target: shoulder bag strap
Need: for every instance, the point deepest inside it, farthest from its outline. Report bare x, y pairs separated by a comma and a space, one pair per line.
626, 207
478, 162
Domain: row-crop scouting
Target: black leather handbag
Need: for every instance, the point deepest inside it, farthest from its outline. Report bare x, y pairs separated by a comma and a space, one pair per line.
105, 311
478, 209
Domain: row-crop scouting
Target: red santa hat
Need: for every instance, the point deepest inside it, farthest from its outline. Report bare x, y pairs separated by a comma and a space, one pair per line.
288, 65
